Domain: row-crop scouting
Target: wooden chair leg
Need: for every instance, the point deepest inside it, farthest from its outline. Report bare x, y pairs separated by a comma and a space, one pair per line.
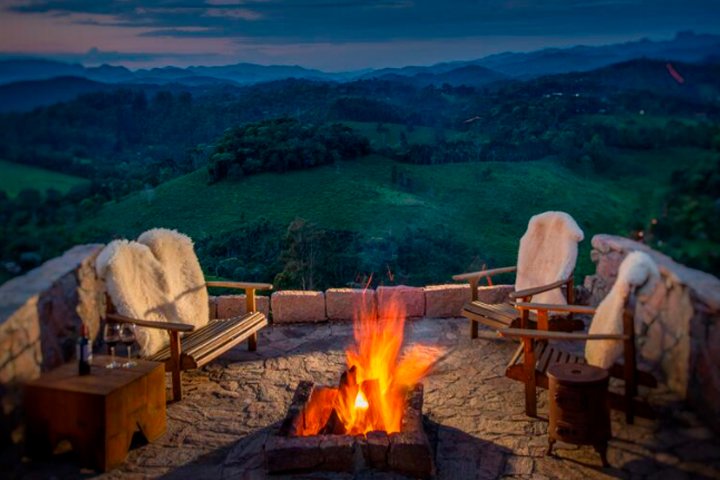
530, 383
473, 329
175, 369
551, 443
601, 448
630, 366
252, 342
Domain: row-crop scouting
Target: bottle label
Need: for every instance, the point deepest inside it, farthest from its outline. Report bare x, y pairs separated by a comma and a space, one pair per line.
84, 353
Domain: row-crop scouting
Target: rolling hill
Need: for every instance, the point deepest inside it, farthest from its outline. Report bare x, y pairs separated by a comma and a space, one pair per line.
486, 205
15, 177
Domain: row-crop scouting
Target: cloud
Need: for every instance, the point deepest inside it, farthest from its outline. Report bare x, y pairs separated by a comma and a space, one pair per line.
379, 20
229, 26
95, 56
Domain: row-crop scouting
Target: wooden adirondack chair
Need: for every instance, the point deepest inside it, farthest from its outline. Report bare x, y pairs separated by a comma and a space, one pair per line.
545, 232
200, 346
530, 362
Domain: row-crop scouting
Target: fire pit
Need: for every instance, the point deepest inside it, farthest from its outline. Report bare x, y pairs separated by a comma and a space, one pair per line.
372, 419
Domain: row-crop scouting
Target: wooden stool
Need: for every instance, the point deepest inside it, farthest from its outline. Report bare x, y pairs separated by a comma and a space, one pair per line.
579, 410
97, 413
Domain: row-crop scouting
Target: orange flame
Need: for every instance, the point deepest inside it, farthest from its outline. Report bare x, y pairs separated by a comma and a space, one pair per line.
372, 391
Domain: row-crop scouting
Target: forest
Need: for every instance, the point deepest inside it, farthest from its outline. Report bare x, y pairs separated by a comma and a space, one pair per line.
129, 142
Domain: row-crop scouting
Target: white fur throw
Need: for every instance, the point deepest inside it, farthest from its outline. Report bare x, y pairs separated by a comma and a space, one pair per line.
157, 278
548, 252
637, 272
137, 285
185, 278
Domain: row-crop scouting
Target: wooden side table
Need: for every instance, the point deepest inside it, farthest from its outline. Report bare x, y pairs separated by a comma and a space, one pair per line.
97, 413
579, 410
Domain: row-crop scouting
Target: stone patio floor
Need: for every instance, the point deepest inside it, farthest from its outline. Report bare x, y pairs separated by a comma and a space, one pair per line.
475, 417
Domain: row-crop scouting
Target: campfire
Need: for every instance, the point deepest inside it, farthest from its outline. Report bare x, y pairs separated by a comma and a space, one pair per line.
372, 391
375, 409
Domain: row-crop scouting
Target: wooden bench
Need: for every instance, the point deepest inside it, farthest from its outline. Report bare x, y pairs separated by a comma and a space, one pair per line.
197, 347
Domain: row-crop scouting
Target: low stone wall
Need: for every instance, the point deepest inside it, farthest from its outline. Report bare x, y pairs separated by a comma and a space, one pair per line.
678, 326
227, 306
293, 306
40, 317
435, 301
411, 301
346, 303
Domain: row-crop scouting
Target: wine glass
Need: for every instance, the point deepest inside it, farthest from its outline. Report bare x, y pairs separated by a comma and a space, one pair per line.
111, 334
127, 337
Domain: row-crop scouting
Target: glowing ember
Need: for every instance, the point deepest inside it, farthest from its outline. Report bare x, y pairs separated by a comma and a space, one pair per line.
371, 395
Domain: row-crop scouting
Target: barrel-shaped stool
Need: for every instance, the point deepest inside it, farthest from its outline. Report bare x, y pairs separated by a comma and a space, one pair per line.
579, 410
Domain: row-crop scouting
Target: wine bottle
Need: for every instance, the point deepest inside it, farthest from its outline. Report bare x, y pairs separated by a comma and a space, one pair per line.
84, 351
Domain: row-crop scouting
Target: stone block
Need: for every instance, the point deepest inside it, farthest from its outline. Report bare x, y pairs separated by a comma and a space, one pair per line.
376, 449
409, 300
285, 454
294, 306
410, 454
345, 303
495, 293
338, 453
443, 301
228, 306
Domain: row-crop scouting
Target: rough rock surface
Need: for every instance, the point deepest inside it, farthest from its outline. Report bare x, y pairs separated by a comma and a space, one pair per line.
344, 303
678, 326
228, 306
495, 293
293, 306
474, 416
443, 301
412, 299
40, 317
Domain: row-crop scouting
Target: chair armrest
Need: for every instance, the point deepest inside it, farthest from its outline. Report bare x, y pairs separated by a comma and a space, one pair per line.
583, 309
546, 335
176, 327
483, 273
249, 287
529, 292
240, 285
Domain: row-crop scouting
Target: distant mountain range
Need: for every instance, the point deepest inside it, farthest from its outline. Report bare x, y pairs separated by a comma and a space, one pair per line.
28, 82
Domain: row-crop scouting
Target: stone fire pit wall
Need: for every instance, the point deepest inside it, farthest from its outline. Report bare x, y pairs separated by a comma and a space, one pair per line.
679, 334
407, 452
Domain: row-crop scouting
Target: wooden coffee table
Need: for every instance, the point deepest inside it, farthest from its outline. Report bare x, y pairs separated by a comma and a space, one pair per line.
97, 413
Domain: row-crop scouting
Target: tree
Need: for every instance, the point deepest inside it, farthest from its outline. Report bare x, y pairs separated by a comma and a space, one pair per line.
301, 254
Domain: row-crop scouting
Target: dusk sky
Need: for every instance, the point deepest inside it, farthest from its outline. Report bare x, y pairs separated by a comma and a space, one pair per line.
330, 34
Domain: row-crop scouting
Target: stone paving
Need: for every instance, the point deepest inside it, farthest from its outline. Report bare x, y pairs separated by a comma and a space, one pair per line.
475, 417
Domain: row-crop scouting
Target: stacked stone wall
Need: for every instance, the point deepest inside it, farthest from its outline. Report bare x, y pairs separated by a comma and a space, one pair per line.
40, 317
678, 326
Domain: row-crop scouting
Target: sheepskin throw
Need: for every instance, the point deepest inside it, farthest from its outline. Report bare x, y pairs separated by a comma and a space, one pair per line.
548, 252
156, 278
137, 285
637, 272
186, 282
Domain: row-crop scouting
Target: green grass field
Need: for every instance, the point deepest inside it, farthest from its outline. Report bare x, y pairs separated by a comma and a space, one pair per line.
15, 177
486, 204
